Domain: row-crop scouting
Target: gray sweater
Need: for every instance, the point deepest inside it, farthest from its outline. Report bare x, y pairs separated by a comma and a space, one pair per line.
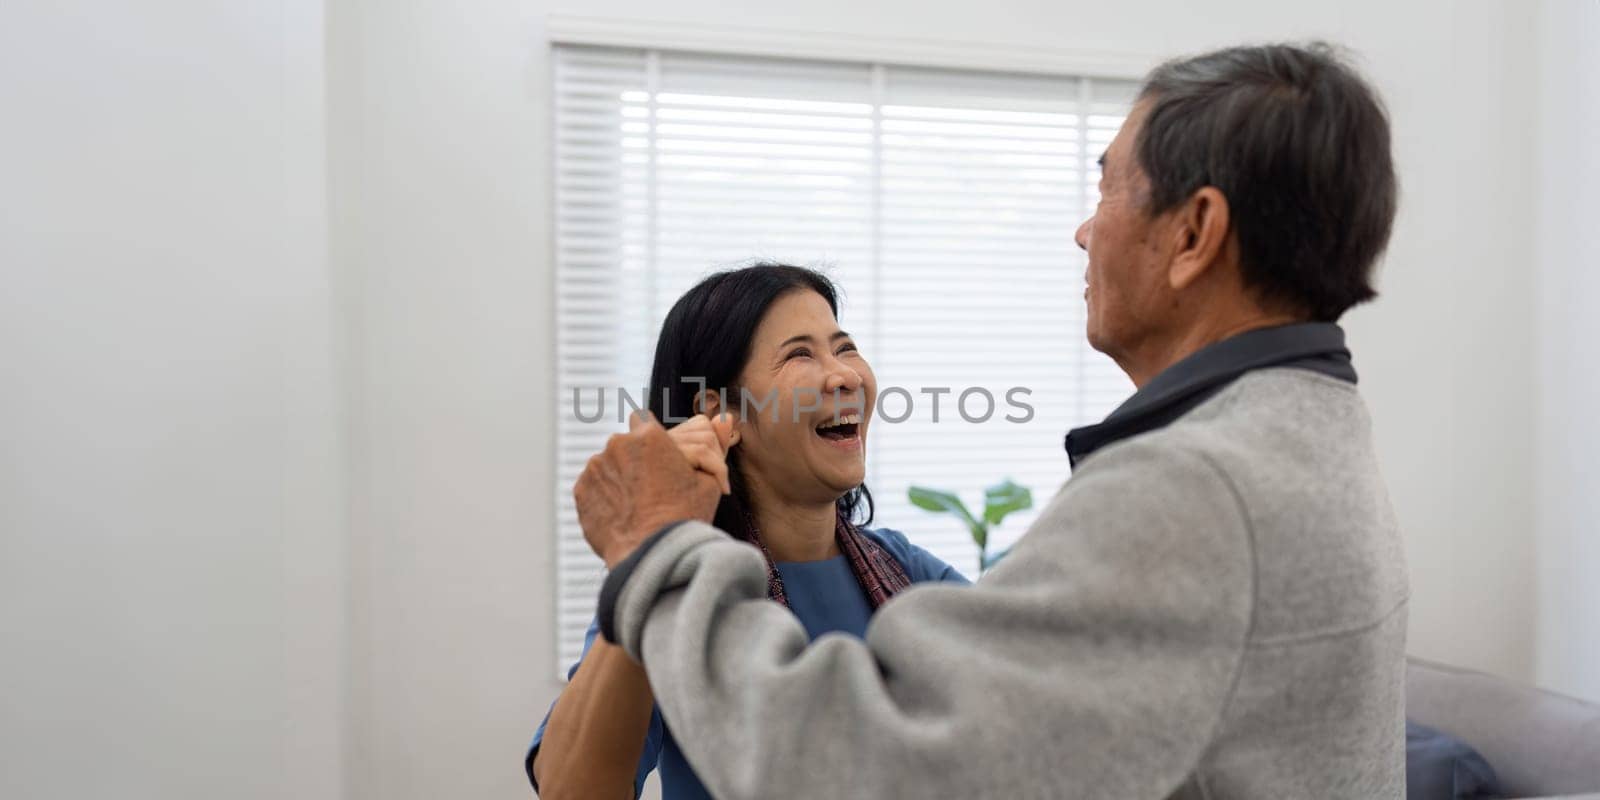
1213, 609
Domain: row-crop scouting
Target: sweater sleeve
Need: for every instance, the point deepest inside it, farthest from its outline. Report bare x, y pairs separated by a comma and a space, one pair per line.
1097, 660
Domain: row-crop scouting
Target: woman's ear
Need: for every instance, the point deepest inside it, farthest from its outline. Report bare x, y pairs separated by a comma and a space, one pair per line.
710, 404
707, 402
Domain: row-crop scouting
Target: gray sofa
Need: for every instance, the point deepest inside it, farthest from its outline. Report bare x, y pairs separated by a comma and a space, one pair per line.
1540, 744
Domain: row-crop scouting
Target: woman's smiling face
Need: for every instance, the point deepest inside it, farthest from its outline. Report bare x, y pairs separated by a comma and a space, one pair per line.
807, 375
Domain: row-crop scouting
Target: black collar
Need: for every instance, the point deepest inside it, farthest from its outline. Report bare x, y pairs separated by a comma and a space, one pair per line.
1317, 346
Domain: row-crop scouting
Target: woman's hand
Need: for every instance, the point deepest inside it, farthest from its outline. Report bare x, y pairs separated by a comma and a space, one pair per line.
700, 439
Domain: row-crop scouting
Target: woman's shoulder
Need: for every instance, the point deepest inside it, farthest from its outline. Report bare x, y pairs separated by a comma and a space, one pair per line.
920, 565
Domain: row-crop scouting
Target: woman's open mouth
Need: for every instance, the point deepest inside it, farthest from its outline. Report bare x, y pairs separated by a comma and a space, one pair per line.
842, 431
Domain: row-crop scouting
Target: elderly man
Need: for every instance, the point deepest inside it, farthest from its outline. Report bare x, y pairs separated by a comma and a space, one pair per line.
1213, 606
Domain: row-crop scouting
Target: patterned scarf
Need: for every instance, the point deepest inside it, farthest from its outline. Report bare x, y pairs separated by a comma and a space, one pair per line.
878, 573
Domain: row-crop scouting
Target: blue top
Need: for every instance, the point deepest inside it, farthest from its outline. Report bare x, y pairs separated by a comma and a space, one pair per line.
826, 598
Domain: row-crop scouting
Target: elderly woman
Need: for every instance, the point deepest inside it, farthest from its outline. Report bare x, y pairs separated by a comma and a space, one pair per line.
794, 476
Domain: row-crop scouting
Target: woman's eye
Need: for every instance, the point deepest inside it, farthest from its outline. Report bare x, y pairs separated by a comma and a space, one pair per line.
848, 347
800, 353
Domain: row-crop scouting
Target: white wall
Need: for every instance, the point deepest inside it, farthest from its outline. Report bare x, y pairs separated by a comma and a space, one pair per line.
438, 193
170, 568
1567, 264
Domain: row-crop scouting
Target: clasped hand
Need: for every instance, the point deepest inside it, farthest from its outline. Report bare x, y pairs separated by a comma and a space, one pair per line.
649, 477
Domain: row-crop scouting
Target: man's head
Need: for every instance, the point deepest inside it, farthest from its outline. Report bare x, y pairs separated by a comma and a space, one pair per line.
1249, 185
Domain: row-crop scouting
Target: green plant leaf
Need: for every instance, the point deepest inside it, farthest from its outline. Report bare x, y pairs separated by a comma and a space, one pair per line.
944, 502
990, 561
1002, 499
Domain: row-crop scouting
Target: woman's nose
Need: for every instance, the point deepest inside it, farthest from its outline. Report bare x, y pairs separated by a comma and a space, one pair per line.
841, 378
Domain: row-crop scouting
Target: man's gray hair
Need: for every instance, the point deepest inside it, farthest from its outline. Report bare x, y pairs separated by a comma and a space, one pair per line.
1299, 144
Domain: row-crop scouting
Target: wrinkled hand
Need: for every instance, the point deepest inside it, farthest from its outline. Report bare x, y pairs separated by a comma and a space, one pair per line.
640, 482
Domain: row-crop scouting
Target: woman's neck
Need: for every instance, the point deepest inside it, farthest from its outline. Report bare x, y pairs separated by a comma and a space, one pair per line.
796, 532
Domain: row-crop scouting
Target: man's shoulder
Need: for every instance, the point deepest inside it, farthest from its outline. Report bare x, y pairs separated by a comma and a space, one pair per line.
1295, 450
1261, 444
1283, 394
1165, 451
1152, 479
1281, 410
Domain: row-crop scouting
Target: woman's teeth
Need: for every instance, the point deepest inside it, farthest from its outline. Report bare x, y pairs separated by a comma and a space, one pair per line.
840, 428
848, 419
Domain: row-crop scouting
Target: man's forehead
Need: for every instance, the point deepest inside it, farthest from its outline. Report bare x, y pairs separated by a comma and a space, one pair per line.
1116, 153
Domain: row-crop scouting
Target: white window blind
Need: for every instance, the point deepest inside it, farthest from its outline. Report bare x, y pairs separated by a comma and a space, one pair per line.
943, 203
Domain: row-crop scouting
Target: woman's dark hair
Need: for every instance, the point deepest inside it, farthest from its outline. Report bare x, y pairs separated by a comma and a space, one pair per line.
1299, 144
705, 342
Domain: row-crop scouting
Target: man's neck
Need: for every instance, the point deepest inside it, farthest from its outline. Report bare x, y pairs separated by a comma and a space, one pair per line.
794, 532
1156, 356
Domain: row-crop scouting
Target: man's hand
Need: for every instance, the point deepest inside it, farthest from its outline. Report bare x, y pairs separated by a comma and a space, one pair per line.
640, 482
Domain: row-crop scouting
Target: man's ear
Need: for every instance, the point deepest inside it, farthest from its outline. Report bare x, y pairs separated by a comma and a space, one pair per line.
1203, 228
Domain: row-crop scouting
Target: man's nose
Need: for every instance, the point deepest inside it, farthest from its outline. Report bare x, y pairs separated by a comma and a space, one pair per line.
1082, 236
